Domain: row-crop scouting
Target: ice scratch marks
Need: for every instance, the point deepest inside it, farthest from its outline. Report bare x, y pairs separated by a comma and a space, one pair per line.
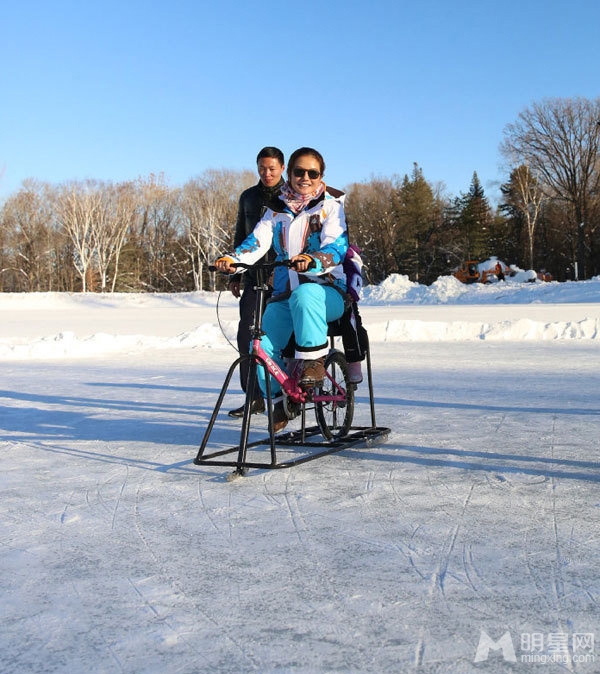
471, 571
206, 510
436, 599
370, 482
410, 553
534, 560
438, 577
66, 518
558, 580
100, 504
420, 651
499, 424
118, 499
173, 591
551, 546
294, 512
144, 600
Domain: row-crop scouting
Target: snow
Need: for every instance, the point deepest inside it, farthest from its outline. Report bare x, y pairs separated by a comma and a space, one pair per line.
478, 514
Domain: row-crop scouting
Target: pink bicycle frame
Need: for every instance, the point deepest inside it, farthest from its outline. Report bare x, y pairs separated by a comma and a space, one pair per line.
290, 384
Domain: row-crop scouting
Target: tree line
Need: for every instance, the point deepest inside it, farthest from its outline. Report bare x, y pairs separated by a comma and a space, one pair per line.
145, 235
141, 235
548, 217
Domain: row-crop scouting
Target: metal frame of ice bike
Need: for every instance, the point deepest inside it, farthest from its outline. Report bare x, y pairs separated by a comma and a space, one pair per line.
335, 398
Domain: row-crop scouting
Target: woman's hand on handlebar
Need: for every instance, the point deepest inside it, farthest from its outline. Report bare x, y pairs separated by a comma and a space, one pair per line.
302, 262
225, 264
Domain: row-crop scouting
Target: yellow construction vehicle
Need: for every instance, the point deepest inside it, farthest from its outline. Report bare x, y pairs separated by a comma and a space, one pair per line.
469, 273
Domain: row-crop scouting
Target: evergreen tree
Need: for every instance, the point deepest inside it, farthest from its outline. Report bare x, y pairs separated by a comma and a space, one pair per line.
475, 221
412, 203
418, 211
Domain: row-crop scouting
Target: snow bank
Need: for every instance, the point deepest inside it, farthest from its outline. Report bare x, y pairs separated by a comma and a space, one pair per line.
518, 330
398, 289
68, 345
46, 326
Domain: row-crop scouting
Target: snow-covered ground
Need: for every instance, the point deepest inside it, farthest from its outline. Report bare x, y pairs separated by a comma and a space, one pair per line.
478, 517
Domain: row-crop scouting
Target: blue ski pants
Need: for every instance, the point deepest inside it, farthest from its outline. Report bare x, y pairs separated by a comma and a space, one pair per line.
305, 313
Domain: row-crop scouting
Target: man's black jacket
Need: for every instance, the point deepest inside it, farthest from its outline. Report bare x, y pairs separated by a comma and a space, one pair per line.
251, 207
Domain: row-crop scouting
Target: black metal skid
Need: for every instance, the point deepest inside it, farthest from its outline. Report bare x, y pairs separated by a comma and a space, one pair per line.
303, 437
358, 435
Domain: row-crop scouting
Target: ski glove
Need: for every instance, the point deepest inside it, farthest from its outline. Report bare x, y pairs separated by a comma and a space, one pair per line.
224, 264
304, 259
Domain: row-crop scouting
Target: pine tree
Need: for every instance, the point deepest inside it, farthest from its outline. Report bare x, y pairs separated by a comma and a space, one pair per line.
419, 215
475, 220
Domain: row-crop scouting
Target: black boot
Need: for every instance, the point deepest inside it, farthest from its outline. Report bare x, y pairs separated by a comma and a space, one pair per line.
257, 407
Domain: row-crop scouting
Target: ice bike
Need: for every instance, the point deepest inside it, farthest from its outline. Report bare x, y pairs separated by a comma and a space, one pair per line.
332, 401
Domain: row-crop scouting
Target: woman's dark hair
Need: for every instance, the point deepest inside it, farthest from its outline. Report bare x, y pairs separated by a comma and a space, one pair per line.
271, 152
301, 152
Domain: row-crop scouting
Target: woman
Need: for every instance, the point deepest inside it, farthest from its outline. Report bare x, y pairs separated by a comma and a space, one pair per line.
307, 226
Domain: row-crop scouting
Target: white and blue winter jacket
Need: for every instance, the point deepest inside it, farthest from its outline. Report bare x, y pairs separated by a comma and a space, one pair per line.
319, 230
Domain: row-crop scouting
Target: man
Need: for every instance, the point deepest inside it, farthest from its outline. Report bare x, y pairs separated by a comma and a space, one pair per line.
252, 204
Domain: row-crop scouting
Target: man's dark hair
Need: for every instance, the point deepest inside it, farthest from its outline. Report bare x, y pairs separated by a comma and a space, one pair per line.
270, 152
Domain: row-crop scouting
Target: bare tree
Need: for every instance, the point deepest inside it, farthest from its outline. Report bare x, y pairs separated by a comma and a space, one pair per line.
160, 232
373, 225
191, 208
209, 206
116, 209
558, 139
525, 194
27, 221
79, 207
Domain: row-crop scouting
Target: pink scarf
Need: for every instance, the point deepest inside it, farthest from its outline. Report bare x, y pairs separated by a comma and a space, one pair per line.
298, 202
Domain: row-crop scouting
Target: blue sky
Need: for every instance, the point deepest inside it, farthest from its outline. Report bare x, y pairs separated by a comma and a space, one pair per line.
114, 90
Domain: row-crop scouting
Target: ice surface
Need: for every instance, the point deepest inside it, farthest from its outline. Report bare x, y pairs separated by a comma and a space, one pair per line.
480, 512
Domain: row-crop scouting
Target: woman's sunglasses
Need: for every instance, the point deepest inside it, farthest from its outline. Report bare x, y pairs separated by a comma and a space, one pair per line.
313, 174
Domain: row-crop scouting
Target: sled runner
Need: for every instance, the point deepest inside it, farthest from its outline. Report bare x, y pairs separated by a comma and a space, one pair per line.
332, 402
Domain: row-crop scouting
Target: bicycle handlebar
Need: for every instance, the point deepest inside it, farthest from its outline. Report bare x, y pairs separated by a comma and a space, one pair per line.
257, 265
